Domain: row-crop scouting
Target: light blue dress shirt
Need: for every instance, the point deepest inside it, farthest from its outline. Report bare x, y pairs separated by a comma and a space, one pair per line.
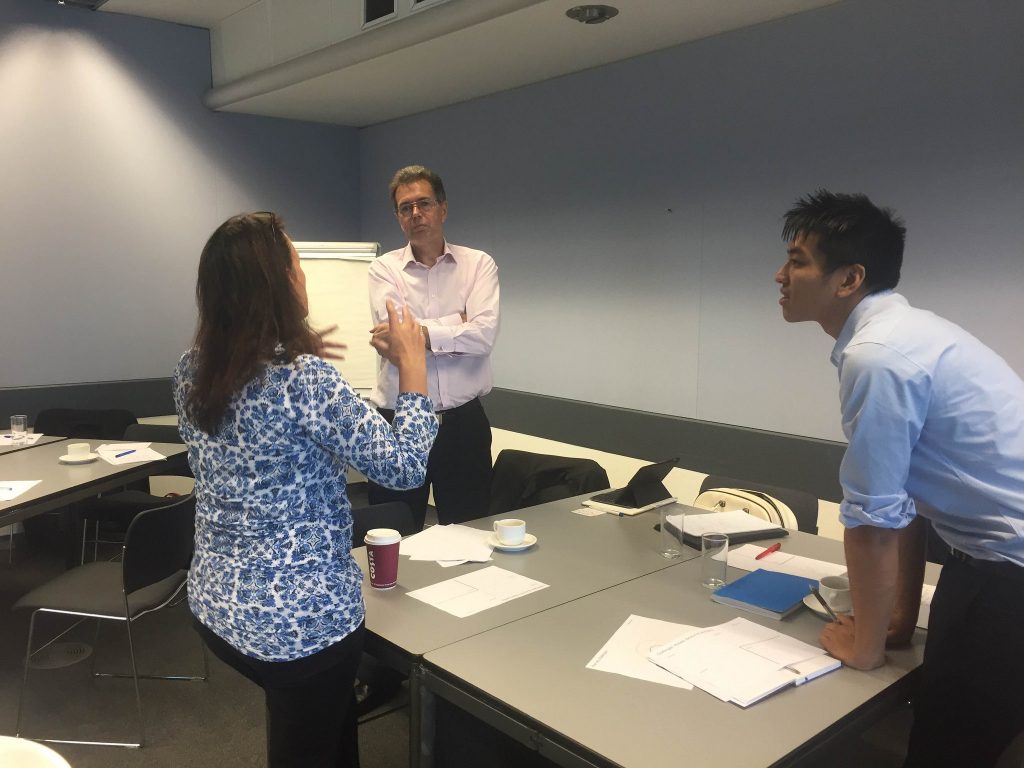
933, 415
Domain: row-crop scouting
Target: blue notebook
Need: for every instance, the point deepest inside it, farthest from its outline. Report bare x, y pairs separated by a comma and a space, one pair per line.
766, 593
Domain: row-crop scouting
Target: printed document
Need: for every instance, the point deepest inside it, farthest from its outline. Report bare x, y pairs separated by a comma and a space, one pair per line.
448, 545
128, 453
741, 661
477, 591
627, 650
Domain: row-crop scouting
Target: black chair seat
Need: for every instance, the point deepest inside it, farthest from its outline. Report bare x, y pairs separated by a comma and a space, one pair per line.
95, 588
803, 505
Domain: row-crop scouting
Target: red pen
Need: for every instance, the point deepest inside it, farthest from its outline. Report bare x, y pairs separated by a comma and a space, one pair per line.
773, 548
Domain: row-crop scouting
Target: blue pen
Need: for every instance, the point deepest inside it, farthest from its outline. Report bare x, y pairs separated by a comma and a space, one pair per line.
123, 453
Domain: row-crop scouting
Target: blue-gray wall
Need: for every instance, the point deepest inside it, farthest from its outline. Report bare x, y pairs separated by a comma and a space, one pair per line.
634, 210
113, 176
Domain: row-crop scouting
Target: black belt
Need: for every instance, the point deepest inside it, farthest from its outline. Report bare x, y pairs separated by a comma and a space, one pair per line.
985, 565
389, 414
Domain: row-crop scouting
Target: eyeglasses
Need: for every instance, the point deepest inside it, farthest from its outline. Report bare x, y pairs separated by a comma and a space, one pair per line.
426, 205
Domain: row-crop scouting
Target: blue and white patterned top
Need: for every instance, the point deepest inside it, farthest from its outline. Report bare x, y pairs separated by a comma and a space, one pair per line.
273, 573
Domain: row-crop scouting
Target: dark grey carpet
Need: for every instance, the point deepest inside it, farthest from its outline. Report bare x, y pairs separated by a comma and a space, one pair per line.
217, 723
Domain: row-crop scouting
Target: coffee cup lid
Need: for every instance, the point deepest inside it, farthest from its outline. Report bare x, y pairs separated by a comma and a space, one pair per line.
382, 536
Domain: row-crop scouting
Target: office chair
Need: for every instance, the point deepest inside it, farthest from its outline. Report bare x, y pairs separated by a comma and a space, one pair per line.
120, 507
524, 479
803, 505
391, 514
95, 424
151, 574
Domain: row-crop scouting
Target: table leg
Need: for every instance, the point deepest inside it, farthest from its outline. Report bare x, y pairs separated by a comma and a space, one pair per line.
422, 711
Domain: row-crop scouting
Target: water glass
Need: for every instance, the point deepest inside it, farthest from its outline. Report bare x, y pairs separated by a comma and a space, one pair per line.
670, 543
714, 559
18, 426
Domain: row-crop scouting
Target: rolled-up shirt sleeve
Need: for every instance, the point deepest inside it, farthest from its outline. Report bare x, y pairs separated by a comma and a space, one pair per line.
884, 399
392, 455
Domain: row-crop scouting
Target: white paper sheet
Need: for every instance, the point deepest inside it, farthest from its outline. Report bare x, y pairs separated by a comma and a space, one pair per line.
448, 544
736, 521
128, 453
30, 438
626, 652
477, 591
12, 489
741, 661
588, 512
744, 557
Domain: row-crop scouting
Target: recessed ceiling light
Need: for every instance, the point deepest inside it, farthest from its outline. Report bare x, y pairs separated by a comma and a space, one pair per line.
592, 14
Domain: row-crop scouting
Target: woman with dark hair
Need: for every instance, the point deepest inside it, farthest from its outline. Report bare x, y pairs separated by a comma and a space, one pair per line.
270, 427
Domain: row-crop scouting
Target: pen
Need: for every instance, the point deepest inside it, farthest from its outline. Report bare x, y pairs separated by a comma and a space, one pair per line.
817, 594
123, 453
773, 548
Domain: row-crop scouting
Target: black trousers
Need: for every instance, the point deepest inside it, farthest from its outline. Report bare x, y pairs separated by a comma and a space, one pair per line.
311, 708
970, 702
459, 468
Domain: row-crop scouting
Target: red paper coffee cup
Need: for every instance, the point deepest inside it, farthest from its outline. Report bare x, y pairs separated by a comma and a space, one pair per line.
382, 556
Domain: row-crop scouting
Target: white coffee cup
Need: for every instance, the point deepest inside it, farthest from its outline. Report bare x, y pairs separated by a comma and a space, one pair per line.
835, 590
510, 531
78, 450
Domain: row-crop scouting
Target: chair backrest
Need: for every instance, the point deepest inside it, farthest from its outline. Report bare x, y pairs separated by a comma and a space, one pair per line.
803, 505
95, 424
524, 479
159, 543
392, 514
160, 433
153, 433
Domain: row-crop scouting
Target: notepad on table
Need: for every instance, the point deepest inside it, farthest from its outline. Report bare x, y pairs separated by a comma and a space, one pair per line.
766, 593
737, 524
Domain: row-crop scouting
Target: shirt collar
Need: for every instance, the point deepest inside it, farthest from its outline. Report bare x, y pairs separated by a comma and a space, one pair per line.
408, 258
867, 308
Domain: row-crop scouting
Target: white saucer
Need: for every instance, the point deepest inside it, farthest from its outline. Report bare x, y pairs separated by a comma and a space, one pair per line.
528, 541
815, 606
83, 459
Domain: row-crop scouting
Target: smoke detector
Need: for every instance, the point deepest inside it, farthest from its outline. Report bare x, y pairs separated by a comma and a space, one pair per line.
592, 14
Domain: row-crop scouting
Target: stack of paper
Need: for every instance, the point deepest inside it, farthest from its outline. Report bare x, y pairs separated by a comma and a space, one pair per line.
128, 453
738, 524
448, 545
627, 650
741, 661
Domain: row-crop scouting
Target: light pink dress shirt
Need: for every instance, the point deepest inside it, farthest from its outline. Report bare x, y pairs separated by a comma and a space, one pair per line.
459, 361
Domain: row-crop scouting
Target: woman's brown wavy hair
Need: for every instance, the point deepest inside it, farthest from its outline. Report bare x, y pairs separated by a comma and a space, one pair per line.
248, 307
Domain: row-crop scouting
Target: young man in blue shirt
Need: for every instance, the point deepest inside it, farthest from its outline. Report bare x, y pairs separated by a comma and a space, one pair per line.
935, 424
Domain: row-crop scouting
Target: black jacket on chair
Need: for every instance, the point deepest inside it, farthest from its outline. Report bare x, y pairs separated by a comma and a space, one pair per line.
524, 479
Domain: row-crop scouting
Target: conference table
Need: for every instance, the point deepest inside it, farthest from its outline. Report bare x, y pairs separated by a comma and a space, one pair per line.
7, 446
574, 555
599, 571
65, 485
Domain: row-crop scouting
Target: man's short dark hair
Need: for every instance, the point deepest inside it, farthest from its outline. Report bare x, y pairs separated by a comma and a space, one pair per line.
413, 173
851, 230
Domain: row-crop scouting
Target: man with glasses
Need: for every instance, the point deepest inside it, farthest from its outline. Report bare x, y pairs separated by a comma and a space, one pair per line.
453, 292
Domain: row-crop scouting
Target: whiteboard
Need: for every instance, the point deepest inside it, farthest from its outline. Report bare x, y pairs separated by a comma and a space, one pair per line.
336, 286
